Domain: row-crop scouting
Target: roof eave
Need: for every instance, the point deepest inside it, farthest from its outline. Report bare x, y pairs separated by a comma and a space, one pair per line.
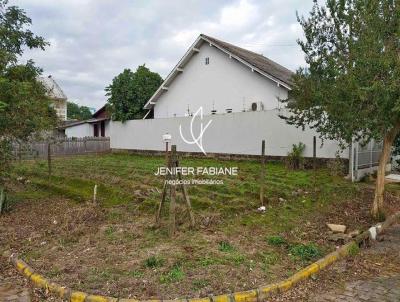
192, 49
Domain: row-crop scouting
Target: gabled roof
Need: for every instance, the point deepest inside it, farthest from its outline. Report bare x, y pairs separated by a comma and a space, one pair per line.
257, 62
53, 90
68, 124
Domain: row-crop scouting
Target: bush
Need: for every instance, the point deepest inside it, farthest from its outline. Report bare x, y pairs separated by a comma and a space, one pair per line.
305, 252
295, 159
276, 240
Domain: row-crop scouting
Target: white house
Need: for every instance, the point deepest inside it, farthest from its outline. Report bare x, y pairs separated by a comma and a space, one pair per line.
222, 78
57, 96
97, 126
239, 92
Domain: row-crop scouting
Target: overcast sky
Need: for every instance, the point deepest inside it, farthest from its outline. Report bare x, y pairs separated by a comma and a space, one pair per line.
92, 41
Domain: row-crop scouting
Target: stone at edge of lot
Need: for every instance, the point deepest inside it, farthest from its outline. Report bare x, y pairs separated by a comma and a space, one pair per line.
338, 236
336, 228
354, 233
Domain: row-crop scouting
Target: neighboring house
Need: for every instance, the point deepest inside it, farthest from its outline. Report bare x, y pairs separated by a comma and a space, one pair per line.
222, 78
97, 126
58, 97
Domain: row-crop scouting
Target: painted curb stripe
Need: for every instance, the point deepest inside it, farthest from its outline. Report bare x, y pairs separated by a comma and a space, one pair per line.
255, 295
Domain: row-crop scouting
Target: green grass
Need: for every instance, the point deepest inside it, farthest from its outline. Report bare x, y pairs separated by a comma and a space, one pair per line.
305, 252
174, 275
226, 247
119, 175
154, 262
276, 240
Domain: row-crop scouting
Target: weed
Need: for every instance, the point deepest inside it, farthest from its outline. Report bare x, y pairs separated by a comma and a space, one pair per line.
136, 274
200, 283
353, 249
225, 246
276, 240
174, 275
207, 261
236, 258
305, 252
154, 262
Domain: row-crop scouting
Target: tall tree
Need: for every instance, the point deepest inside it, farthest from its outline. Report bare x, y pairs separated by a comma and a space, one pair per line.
80, 113
350, 89
25, 109
129, 92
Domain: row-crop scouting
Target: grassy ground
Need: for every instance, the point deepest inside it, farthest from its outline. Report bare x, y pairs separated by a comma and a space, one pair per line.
116, 249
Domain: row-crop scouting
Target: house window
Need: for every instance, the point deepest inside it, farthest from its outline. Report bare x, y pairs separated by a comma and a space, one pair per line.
207, 61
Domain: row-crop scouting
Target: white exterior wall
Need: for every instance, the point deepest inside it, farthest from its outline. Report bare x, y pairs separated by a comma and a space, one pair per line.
234, 133
81, 130
224, 82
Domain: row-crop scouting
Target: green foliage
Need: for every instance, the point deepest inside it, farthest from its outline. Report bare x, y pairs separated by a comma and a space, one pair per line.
77, 112
276, 240
154, 262
305, 252
136, 274
350, 88
25, 110
226, 247
200, 283
129, 92
353, 249
174, 275
268, 259
295, 158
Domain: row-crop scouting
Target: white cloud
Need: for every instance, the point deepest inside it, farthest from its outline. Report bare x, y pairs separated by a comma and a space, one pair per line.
92, 41
239, 14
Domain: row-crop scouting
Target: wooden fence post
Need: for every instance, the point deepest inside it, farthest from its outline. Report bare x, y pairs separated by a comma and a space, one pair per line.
2, 200
49, 158
172, 205
95, 194
315, 166
262, 176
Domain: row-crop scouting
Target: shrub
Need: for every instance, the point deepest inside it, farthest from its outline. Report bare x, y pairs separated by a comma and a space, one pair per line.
225, 246
305, 252
154, 262
276, 240
295, 159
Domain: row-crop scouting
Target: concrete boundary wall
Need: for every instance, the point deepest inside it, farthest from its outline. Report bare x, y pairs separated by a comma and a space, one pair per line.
233, 133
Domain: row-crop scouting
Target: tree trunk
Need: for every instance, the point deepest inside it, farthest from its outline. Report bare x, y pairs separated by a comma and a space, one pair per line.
380, 179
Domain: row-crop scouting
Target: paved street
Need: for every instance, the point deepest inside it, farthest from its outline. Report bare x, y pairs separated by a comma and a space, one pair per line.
385, 287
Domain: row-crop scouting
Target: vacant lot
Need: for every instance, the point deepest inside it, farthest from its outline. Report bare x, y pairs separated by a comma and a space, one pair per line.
115, 248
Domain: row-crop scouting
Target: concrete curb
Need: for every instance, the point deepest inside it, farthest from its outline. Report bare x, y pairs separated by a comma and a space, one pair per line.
255, 295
